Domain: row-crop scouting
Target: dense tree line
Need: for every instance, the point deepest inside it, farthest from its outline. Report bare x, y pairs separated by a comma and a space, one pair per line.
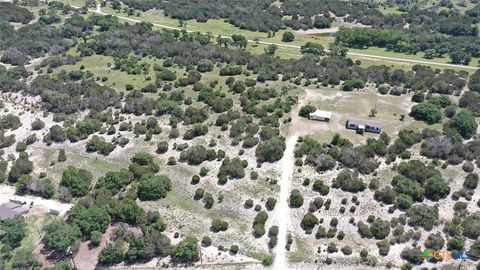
37, 39
459, 48
69, 93
13, 13
246, 14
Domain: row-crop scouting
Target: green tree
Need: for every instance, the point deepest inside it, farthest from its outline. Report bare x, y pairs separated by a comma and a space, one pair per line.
161, 243
61, 156
239, 41
312, 48
430, 54
153, 187
422, 216
308, 222
338, 50
95, 238
296, 198
21, 166
186, 251
321, 187
205, 65
475, 249
436, 188
412, 255
112, 253
427, 112
139, 249
288, 36
76, 180
403, 201
59, 235
23, 259
464, 123
90, 219
435, 241
271, 49
460, 57
352, 84
14, 230
219, 225
380, 228
456, 243
471, 181
270, 150
306, 110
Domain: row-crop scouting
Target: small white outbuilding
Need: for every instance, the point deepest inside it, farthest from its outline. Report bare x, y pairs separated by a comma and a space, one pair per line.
320, 115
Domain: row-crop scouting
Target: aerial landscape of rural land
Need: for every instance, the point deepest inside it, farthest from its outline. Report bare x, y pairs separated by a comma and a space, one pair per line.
240, 134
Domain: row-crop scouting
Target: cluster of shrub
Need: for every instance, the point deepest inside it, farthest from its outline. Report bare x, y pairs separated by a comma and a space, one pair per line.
137, 235
38, 38
245, 14
325, 157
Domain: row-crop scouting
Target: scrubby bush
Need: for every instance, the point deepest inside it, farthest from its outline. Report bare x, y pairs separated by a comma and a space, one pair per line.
219, 225
153, 187
186, 251
296, 198
427, 112
412, 255
435, 241
346, 250
270, 150
162, 147
471, 181
270, 204
38, 124
321, 187
422, 216
308, 222
347, 180
436, 188
206, 241
112, 253
306, 110
76, 180
259, 224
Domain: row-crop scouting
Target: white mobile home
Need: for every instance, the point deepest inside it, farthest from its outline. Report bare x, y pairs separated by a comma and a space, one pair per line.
320, 116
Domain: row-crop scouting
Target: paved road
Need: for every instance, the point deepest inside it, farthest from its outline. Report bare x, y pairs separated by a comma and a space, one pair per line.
356, 55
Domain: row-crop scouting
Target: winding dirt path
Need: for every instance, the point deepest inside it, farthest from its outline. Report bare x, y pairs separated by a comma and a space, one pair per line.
282, 214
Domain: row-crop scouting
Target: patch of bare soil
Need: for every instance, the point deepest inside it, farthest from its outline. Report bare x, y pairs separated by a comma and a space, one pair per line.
87, 256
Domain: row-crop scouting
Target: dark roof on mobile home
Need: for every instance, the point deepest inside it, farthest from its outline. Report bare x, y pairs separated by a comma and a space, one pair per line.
11, 210
369, 122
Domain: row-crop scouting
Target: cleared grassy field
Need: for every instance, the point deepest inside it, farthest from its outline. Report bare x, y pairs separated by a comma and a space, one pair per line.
356, 104
98, 65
